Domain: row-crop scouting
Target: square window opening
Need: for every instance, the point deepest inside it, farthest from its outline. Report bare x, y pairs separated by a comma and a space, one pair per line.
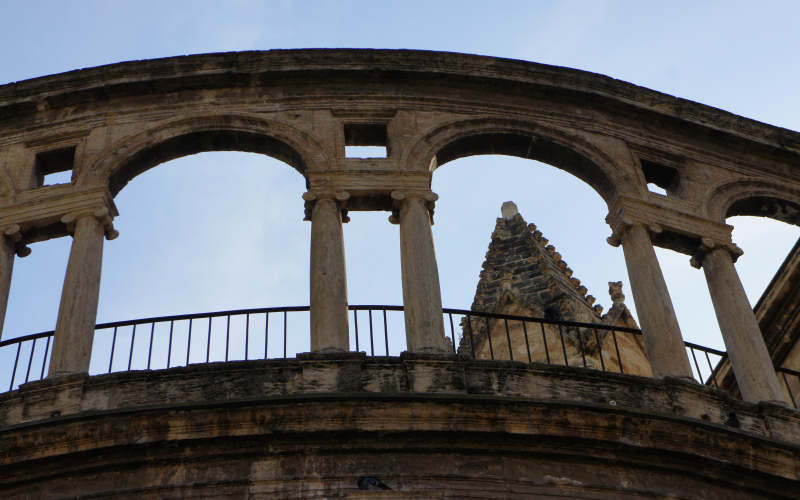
660, 179
55, 167
365, 140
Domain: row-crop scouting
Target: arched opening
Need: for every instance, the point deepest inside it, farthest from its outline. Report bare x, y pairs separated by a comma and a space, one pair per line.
766, 228
208, 232
766, 206
200, 141
766, 240
567, 211
572, 154
561, 271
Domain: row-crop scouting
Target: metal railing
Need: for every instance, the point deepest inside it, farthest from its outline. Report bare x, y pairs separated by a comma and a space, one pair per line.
265, 333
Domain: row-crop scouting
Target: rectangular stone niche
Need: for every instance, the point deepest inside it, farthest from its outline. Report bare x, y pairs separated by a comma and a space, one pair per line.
55, 166
365, 140
660, 178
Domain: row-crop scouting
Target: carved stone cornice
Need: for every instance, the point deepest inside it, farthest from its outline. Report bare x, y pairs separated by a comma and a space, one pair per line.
399, 197
340, 197
39, 213
707, 245
668, 227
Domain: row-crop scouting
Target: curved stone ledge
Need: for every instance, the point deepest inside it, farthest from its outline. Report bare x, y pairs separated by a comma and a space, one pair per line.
309, 427
219, 70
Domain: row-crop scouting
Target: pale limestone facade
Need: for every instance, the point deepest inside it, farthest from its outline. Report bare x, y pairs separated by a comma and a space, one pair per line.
309, 427
108, 124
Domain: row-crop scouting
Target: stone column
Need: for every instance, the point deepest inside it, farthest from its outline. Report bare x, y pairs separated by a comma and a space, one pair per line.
744, 342
328, 279
10, 244
662, 335
77, 313
422, 297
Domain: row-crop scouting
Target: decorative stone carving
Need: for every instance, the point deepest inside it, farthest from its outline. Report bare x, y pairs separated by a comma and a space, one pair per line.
311, 197
101, 214
398, 198
615, 292
707, 245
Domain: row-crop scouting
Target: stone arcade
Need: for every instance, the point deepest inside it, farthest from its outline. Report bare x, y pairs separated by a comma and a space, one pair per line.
427, 423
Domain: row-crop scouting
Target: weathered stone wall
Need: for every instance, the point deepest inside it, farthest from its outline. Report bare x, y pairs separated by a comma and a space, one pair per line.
426, 426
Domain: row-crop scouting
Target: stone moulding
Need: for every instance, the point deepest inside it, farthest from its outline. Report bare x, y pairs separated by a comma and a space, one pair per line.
339, 411
435, 107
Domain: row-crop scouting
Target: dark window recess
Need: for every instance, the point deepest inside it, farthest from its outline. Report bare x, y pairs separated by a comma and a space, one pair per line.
55, 167
660, 179
365, 140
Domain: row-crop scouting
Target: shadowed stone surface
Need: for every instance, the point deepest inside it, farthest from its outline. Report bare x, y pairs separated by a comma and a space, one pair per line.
426, 426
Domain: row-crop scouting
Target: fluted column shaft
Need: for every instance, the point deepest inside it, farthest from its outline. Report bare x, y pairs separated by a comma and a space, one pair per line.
329, 328
662, 335
422, 297
744, 342
77, 313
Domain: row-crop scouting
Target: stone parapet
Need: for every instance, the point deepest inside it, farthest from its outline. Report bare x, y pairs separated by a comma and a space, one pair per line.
311, 427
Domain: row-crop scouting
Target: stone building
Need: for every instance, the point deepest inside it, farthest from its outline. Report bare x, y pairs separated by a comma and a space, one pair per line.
525, 276
430, 422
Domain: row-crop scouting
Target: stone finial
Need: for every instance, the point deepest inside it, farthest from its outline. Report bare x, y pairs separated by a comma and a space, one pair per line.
509, 210
615, 291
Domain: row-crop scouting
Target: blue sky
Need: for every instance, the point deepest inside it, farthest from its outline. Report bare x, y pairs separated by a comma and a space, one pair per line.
184, 249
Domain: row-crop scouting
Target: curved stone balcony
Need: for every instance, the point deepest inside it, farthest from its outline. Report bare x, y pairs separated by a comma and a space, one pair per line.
462, 404
421, 424
449, 422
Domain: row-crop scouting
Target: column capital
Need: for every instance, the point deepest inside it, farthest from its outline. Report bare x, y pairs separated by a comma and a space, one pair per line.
311, 197
708, 245
102, 215
621, 226
671, 224
399, 198
13, 234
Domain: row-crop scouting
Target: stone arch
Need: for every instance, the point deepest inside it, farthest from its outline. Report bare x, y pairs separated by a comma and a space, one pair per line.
134, 155
757, 198
569, 152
